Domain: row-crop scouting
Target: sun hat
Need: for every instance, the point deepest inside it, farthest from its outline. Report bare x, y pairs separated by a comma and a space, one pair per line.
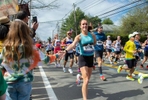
5, 20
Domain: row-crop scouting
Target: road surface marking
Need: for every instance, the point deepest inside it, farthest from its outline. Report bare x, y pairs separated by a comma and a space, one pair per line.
48, 87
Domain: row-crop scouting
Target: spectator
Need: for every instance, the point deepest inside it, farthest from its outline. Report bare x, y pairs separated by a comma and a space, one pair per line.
19, 60
22, 15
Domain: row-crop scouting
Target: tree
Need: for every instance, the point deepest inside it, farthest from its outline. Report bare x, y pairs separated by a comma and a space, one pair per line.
69, 22
49, 39
107, 21
135, 20
94, 20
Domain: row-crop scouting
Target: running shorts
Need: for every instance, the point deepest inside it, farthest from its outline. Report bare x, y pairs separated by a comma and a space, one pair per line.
131, 63
117, 52
56, 49
85, 61
108, 50
99, 54
146, 53
71, 55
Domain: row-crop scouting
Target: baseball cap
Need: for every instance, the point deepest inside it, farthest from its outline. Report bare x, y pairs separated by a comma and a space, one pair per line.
130, 35
135, 33
108, 36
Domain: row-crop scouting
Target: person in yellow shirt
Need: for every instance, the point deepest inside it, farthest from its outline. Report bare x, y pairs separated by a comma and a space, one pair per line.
4, 28
130, 49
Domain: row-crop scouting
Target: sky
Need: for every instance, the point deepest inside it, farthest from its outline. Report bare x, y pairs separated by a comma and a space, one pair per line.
48, 19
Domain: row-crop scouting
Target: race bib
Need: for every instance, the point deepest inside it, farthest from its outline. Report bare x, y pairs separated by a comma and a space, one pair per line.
118, 45
99, 43
117, 49
88, 48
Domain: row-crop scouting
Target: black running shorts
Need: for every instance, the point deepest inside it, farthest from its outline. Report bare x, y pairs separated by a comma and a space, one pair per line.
99, 54
146, 53
71, 55
131, 63
86, 61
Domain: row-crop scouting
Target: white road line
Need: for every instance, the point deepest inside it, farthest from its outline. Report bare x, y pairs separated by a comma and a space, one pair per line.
48, 87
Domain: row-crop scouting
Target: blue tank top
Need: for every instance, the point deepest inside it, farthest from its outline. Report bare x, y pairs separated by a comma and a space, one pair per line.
146, 46
138, 45
100, 38
86, 45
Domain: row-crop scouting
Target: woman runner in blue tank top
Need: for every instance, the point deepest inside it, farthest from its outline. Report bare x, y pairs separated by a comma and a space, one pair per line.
86, 42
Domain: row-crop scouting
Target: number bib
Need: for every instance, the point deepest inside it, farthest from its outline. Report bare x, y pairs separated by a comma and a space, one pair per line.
88, 48
99, 43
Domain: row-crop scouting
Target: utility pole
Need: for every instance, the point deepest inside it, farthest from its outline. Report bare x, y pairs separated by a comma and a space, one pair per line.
74, 5
30, 13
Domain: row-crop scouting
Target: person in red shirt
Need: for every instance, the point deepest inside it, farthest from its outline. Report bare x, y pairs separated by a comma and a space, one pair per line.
38, 44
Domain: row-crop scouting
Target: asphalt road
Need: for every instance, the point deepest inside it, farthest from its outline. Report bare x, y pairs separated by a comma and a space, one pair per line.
52, 83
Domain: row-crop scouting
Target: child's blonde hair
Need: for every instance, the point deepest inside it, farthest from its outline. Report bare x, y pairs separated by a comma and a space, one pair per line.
19, 34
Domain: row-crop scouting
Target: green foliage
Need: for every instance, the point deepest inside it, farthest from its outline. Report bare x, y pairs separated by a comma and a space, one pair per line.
135, 20
49, 39
94, 20
69, 22
107, 21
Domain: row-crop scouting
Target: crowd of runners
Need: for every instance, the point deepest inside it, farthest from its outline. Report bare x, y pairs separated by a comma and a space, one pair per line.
91, 48
20, 55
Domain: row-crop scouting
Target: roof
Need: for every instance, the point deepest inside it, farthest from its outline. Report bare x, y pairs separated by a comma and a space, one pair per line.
109, 28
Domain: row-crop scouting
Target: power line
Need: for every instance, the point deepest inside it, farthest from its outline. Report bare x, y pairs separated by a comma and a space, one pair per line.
76, 3
107, 8
91, 6
124, 10
52, 21
79, 2
119, 8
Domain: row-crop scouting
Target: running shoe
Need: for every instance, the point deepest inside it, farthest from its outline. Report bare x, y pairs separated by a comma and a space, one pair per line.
140, 79
130, 78
102, 77
115, 63
64, 70
141, 66
111, 62
56, 65
133, 75
119, 69
59, 65
79, 70
70, 70
147, 66
78, 80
